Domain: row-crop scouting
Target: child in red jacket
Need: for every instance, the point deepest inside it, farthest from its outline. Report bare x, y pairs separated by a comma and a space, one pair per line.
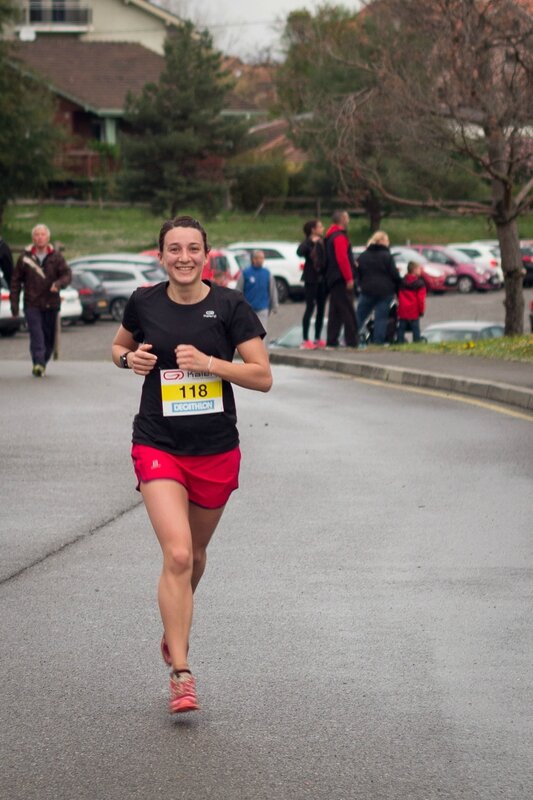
411, 302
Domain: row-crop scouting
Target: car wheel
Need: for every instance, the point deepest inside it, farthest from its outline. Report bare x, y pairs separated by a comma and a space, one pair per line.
465, 284
117, 308
8, 331
90, 319
283, 290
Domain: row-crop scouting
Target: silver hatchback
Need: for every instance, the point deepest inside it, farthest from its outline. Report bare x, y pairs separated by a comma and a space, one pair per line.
121, 274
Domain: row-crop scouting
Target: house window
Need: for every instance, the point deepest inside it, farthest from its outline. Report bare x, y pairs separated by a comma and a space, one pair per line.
36, 11
58, 11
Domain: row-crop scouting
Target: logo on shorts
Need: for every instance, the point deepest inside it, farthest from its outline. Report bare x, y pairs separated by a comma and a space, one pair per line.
155, 464
210, 315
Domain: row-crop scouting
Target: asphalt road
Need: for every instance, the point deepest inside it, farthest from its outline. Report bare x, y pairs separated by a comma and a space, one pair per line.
363, 631
92, 342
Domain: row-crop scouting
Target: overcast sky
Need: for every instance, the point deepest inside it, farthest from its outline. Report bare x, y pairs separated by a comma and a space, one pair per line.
243, 28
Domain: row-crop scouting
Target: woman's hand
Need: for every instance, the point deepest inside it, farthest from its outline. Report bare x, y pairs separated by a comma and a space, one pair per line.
188, 357
141, 360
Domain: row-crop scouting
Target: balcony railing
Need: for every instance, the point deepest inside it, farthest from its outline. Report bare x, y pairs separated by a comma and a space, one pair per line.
56, 12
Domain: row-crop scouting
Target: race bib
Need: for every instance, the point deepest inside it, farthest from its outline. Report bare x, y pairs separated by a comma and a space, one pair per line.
185, 393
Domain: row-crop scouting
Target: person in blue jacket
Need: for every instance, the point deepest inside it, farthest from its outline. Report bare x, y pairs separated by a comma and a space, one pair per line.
259, 287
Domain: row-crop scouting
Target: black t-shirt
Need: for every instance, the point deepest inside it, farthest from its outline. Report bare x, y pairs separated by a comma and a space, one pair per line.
215, 325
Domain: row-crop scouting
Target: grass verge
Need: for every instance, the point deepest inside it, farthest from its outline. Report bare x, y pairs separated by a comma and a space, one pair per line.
98, 230
508, 348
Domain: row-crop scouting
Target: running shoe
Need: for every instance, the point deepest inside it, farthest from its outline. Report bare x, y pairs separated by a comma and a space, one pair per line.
182, 693
308, 345
38, 370
320, 343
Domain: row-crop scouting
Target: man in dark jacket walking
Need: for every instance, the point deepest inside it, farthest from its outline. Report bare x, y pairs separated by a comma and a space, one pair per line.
339, 277
41, 271
379, 280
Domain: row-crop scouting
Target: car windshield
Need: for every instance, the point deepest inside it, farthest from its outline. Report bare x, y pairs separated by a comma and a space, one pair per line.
444, 335
291, 338
458, 255
155, 274
85, 279
243, 260
405, 254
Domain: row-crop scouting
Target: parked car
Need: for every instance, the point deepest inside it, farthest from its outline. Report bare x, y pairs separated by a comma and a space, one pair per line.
526, 249
284, 264
223, 268
8, 325
469, 275
71, 308
438, 278
483, 255
93, 296
226, 266
121, 274
462, 331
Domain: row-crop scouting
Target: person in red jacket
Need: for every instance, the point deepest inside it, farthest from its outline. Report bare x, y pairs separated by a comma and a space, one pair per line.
411, 302
340, 267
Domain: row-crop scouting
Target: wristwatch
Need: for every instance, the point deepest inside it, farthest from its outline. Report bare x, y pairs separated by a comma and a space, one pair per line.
124, 359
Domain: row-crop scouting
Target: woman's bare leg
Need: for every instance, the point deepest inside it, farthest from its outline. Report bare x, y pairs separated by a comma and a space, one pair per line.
184, 530
203, 522
167, 505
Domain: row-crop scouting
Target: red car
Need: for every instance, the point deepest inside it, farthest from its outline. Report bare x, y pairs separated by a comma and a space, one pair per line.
223, 267
470, 276
526, 251
438, 278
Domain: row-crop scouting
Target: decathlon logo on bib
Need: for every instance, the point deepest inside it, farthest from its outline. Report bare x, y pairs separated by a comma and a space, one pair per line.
185, 393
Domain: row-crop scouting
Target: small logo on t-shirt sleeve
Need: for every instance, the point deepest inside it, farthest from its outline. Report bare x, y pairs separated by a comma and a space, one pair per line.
155, 464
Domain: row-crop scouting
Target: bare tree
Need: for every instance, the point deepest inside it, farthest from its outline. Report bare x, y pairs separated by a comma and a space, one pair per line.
450, 83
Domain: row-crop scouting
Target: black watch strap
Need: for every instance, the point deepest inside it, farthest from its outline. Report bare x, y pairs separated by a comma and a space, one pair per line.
124, 359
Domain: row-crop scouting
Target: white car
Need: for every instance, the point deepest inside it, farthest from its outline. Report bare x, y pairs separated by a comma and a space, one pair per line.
8, 325
121, 274
283, 262
71, 308
462, 331
484, 255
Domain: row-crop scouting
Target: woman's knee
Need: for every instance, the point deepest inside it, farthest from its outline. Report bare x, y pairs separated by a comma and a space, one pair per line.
179, 559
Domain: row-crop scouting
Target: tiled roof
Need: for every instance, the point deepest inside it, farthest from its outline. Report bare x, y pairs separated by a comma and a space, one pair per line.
95, 75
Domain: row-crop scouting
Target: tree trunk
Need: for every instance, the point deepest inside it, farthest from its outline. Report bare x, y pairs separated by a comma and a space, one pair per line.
513, 281
372, 206
503, 209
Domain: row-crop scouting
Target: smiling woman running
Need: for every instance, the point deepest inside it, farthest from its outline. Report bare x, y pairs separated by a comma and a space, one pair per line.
181, 336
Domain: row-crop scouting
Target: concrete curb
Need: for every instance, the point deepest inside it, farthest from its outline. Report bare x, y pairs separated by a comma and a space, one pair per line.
486, 390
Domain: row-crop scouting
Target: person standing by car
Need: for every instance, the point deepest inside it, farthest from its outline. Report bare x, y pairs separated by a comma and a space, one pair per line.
259, 288
340, 281
41, 272
181, 335
411, 302
379, 281
313, 276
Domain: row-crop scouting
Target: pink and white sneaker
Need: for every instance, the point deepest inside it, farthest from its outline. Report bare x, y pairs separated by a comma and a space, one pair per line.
320, 343
182, 693
308, 345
